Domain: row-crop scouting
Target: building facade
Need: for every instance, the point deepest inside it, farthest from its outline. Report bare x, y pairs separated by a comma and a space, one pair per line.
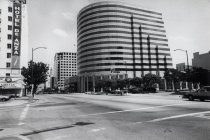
65, 66
120, 40
13, 42
201, 60
181, 67
127, 39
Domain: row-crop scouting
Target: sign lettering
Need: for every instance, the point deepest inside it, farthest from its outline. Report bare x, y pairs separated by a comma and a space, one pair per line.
20, 1
16, 44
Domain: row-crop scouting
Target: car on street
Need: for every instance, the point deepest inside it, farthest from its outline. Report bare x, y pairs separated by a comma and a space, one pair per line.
135, 90
201, 94
4, 98
118, 92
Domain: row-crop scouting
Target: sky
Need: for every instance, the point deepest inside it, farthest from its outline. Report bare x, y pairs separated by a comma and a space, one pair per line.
52, 24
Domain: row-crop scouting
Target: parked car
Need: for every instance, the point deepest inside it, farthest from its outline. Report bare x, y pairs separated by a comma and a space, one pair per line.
4, 98
135, 90
201, 94
118, 92
149, 89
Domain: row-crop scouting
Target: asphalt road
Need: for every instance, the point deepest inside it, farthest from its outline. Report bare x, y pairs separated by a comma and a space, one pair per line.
101, 117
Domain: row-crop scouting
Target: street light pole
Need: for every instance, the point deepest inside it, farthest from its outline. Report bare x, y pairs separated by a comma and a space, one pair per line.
186, 55
32, 68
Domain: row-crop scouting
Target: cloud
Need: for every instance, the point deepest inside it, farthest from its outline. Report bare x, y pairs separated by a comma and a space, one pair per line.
60, 32
69, 16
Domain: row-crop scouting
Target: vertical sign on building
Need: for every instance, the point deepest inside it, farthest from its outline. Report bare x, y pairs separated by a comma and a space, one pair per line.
23, 1
16, 43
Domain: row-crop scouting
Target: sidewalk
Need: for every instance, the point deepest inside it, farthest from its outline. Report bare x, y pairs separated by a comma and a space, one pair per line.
17, 101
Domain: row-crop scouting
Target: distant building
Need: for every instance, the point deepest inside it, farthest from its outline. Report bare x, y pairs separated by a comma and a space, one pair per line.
65, 65
181, 67
52, 82
49, 75
201, 60
13, 42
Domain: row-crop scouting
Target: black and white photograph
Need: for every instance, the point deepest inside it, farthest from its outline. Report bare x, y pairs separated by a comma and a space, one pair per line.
104, 69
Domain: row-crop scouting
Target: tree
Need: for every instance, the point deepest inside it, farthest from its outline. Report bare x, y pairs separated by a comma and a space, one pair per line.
136, 82
174, 76
104, 84
150, 80
99, 84
199, 76
121, 83
39, 74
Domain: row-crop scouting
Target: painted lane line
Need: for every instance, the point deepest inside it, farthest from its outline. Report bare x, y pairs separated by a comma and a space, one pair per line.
99, 129
203, 115
21, 123
23, 114
178, 116
22, 137
137, 109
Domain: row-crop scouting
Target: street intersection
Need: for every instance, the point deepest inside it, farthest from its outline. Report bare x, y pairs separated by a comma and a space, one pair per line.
100, 117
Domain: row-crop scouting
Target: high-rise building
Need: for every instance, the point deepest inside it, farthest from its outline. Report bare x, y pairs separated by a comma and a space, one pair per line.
121, 38
65, 66
13, 41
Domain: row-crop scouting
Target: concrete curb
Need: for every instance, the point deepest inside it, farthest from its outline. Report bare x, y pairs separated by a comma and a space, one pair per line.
18, 101
12, 132
12, 103
136, 98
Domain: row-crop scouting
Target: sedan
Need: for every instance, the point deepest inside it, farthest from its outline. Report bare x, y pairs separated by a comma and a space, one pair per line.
201, 94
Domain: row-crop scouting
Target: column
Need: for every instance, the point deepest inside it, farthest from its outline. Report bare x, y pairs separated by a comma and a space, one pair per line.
133, 47
141, 51
149, 53
87, 88
93, 83
157, 60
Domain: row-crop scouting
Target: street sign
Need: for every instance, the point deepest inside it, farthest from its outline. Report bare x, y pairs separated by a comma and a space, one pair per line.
10, 86
11, 83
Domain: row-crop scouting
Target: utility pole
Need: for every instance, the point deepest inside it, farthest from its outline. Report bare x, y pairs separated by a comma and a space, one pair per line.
32, 68
188, 67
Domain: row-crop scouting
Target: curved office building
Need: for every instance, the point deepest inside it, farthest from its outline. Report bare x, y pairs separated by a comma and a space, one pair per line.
119, 38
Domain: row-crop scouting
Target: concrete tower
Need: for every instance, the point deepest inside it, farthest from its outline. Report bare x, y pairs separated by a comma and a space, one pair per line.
13, 42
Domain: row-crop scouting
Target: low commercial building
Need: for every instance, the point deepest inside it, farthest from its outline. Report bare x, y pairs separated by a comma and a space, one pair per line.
181, 67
